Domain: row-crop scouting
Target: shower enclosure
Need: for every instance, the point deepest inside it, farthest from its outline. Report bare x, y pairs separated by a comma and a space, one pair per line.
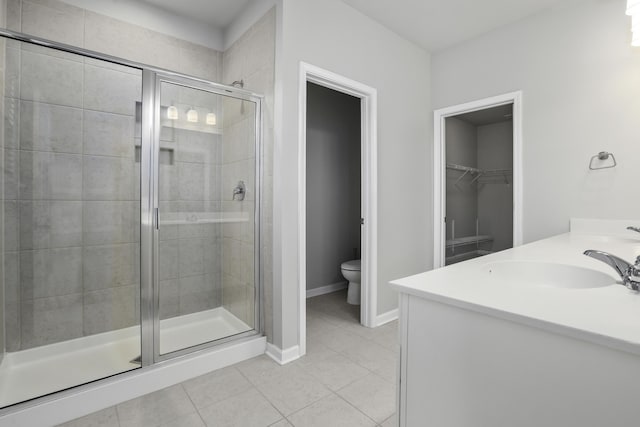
130, 200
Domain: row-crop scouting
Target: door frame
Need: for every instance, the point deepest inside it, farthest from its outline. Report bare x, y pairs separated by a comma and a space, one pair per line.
369, 182
439, 166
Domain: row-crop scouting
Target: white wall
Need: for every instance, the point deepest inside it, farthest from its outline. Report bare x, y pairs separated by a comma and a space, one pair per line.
332, 35
333, 183
581, 84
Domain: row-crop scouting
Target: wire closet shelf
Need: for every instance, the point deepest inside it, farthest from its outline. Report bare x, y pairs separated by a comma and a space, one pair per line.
482, 176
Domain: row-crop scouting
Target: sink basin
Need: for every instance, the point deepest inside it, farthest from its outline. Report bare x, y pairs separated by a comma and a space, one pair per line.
548, 274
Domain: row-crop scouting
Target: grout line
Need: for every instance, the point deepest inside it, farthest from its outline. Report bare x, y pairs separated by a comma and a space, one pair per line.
115, 407
192, 402
357, 409
84, 28
261, 393
313, 403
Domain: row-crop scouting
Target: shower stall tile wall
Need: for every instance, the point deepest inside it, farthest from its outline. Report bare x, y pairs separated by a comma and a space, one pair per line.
250, 59
61, 22
190, 271
73, 155
72, 184
70, 200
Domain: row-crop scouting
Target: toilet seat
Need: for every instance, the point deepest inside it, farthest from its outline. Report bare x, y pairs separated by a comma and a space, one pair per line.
353, 265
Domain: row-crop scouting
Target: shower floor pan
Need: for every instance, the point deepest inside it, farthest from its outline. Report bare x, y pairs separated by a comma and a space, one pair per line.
39, 371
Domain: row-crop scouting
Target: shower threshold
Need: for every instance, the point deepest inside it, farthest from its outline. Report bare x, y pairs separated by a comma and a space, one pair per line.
39, 371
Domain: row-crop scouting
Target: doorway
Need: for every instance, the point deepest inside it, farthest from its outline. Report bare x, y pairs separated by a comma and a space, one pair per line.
366, 97
478, 186
333, 196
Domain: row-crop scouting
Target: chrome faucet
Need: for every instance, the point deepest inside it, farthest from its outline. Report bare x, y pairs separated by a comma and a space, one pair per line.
630, 273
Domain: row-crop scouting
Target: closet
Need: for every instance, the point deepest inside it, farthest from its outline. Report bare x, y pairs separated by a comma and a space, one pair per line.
479, 190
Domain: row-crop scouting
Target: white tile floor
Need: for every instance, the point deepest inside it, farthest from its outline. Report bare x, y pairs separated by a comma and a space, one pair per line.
346, 379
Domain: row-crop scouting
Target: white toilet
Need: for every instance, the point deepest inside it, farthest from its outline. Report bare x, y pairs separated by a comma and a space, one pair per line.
351, 272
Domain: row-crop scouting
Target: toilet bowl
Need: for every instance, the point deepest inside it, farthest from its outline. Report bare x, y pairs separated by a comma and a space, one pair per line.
351, 272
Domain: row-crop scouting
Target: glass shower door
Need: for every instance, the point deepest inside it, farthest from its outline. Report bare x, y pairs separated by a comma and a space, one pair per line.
206, 224
71, 207
129, 217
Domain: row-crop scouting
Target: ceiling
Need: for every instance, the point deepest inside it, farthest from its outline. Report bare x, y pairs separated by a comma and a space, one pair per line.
219, 13
431, 24
438, 24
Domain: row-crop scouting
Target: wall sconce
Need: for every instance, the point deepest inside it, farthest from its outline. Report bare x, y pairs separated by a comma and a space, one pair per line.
633, 10
192, 116
172, 113
212, 119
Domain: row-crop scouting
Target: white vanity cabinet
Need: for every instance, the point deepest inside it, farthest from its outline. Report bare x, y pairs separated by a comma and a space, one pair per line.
476, 352
463, 368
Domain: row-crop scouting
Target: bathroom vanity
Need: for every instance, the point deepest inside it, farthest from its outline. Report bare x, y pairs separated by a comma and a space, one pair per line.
538, 335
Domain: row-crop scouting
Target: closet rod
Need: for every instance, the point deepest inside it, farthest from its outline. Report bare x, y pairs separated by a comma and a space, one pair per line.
463, 168
474, 171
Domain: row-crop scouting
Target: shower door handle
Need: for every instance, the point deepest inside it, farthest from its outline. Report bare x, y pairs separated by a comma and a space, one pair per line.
157, 218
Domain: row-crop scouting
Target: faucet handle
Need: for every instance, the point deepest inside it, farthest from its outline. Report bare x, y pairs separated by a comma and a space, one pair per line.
636, 229
631, 278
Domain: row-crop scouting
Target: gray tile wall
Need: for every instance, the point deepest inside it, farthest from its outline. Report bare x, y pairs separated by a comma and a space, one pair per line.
70, 206
58, 21
252, 59
190, 254
190, 186
72, 183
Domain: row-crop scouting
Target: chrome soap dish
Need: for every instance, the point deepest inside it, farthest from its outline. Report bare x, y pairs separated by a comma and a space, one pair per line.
602, 156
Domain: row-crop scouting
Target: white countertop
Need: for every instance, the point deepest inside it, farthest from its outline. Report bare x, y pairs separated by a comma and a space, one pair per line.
608, 315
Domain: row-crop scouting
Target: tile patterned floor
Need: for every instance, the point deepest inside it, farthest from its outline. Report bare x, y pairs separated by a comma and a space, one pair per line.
346, 379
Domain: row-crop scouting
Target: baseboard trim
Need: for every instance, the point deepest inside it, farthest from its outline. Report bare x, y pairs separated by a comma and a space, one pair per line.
387, 317
327, 289
283, 357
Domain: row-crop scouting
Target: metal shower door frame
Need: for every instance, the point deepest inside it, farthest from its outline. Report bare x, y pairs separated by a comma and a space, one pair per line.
150, 208
151, 77
148, 202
